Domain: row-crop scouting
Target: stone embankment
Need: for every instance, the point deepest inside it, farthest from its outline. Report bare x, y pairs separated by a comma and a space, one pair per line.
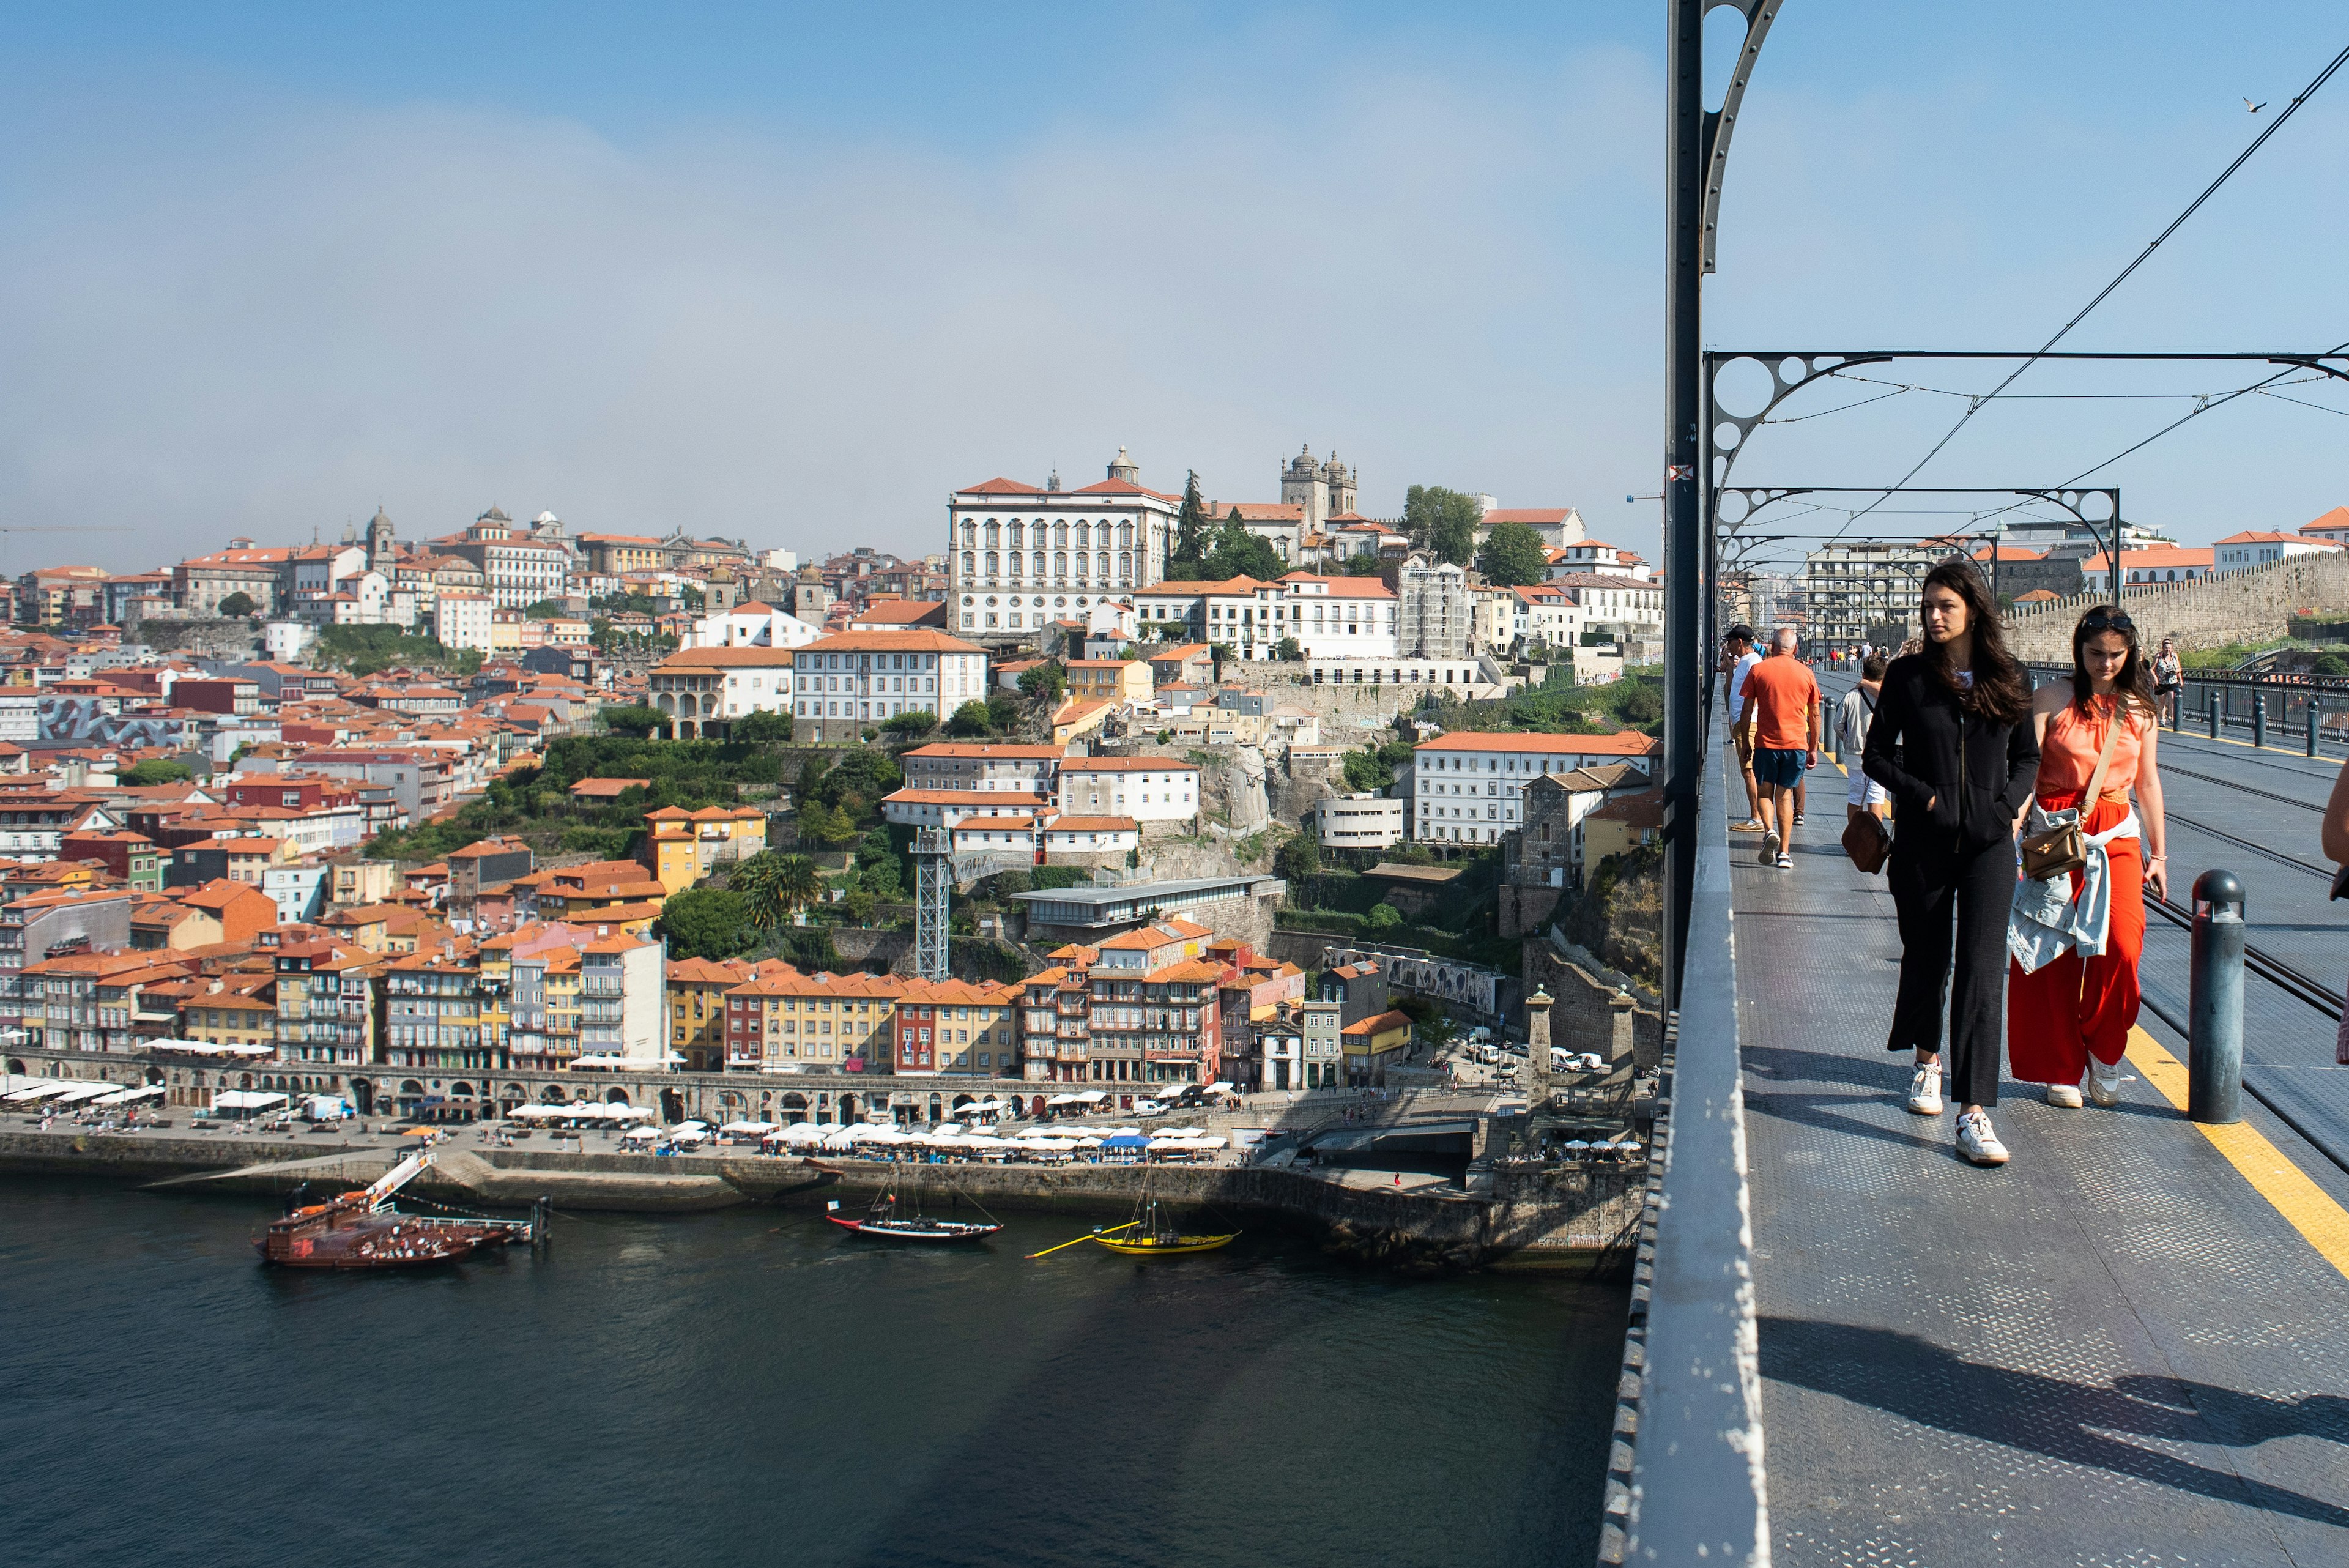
1423, 1228
2250, 606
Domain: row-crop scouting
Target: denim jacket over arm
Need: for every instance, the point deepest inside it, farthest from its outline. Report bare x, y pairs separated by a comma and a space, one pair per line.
1914, 746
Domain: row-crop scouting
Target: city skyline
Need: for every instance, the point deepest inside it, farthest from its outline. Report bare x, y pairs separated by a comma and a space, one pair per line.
765, 275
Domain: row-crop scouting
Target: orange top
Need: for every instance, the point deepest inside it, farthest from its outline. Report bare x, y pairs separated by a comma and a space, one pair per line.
2067, 753
1785, 698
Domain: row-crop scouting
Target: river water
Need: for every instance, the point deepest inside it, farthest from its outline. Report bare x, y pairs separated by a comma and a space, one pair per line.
756, 1387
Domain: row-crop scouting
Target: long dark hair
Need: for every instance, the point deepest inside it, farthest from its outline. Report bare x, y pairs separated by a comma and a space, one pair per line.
2000, 692
2134, 685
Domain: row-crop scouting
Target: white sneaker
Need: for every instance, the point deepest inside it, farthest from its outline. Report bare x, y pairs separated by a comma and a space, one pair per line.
1770, 841
1977, 1142
1786, 861
1925, 1090
2104, 1082
2065, 1095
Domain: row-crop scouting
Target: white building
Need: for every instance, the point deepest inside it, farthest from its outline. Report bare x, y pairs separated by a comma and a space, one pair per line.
753, 625
983, 765
620, 985
285, 641
1592, 556
1557, 526
464, 621
1437, 617
1022, 556
1330, 617
1465, 787
848, 683
299, 890
1629, 606
694, 687
1547, 613
952, 807
1853, 589
2168, 564
1360, 822
2255, 548
1148, 789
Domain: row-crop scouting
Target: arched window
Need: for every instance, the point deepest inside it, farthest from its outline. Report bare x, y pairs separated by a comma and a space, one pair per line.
969, 533
1101, 565
1040, 560
1125, 535
1060, 535
1081, 566
994, 533
1016, 530
1126, 568
970, 569
1015, 562
1060, 564
991, 561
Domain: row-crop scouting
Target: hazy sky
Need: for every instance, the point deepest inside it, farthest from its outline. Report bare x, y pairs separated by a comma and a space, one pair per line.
793, 272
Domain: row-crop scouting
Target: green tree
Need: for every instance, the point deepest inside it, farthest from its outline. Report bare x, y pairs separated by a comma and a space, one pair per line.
706, 923
1049, 679
1288, 648
634, 719
1003, 710
1443, 520
1512, 557
2329, 664
1365, 563
1365, 774
155, 771
236, 606
1190, 526
544, 609
762, 730
970, 722
776, 887
1300, 858
1383, 917
859, 905
910, 726
1240, 553
826, 825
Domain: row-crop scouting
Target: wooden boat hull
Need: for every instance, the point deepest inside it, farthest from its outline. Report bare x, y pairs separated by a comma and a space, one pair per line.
916, 1231
1155, 1248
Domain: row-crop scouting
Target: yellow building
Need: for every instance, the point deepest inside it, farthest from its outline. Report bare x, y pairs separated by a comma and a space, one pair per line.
1623, 825
682, 846
1373, 1045
698, 1009
787, 1019
1115, 680
236, 1009
1078, 719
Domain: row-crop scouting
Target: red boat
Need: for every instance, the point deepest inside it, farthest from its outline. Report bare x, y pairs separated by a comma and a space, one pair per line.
361, 1231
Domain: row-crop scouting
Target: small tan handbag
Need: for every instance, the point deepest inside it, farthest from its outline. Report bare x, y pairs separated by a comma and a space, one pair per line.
2060, 850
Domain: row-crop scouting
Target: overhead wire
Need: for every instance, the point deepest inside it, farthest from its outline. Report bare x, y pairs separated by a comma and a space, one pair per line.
1977, 405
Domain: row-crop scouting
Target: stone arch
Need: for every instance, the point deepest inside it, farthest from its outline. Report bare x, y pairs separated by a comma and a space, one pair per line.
847, 1111
672, 1105
244, 1080
553, 1094
363, 1097
616, 1096
16, 1065
938, 1108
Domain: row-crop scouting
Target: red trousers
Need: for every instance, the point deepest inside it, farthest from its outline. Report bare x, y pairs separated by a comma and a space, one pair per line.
2075, 1008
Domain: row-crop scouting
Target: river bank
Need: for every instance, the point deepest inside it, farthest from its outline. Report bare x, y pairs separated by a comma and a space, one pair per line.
1416, 1222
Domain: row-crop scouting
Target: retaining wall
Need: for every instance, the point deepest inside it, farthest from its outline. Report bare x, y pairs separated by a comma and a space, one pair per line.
2249, 606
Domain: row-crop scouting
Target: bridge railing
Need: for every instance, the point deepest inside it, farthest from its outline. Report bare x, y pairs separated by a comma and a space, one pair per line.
1686, 1482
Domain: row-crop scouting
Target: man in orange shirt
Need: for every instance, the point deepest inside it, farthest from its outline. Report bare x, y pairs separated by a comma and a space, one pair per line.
1782, 703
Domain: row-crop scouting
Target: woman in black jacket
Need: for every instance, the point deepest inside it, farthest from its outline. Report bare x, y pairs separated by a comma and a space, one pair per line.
1952, 743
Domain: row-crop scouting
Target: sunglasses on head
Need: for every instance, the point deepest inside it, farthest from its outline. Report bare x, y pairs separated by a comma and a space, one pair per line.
2104, 620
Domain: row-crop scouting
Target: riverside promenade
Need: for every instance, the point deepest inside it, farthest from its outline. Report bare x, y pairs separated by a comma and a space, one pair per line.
2128, 1345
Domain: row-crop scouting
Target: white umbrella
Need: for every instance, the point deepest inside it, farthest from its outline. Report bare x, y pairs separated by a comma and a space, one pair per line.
690, 1127
947, 1129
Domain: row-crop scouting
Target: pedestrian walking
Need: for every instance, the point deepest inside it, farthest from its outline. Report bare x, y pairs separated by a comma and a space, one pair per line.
1952, 743
1782, 712
1740, 655
2167, 678
2076, 938
1852, 716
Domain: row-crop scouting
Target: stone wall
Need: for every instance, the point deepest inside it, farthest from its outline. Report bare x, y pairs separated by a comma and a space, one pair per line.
2250, 605
1582, 1016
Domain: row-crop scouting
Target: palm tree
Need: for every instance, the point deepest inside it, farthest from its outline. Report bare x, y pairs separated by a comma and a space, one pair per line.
797, 883
775, 886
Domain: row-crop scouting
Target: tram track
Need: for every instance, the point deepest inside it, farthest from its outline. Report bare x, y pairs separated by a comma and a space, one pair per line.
2278, 856
2292, 981
2241, 788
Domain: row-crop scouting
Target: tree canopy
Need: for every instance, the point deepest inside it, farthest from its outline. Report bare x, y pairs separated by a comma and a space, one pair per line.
1191, 522
156, 771
708, 923
1513, 555
1442, 521
237, 605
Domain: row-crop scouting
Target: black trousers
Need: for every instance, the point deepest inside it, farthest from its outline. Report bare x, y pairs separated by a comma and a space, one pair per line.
1937, 883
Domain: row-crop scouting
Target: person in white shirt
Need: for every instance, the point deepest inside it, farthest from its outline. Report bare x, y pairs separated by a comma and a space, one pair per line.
1740, 655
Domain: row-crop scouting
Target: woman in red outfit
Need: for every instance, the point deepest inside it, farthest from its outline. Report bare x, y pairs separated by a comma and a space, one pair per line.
2071, 1016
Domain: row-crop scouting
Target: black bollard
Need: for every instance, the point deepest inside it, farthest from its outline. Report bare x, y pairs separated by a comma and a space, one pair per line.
2214, 1051
2259, 719
2214, 715
1827, 735
2312, 726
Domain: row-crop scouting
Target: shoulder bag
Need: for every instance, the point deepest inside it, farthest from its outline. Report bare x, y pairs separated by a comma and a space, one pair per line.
1867, 838
2060, 850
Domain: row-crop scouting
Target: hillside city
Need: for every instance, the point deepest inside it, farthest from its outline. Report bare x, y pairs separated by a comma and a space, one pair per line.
1261, 795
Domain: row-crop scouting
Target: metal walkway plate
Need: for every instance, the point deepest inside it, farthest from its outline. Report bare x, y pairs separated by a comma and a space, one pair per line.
2110, 1351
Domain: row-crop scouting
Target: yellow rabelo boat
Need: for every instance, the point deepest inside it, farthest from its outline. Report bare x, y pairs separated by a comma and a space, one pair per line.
1146, 1236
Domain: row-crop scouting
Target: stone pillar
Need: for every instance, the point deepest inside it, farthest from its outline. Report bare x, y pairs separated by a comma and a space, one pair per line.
1619, 1047
1537, 1053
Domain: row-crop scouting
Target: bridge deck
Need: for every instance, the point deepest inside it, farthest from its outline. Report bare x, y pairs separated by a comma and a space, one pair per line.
2114, 1350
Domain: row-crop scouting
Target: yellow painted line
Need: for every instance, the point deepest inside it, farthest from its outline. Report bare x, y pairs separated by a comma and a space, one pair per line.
2309, 1208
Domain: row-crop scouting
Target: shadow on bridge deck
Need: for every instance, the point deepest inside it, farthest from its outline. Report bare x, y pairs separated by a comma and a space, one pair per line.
2114, 1349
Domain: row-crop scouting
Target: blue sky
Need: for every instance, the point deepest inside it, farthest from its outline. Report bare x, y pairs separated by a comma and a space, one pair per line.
791, 272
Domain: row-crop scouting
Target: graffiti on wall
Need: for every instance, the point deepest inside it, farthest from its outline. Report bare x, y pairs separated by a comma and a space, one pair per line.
85, 719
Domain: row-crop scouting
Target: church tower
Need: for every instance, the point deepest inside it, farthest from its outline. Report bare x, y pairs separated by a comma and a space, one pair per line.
382, 547
1340, 481
1125, 468
1303, 484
